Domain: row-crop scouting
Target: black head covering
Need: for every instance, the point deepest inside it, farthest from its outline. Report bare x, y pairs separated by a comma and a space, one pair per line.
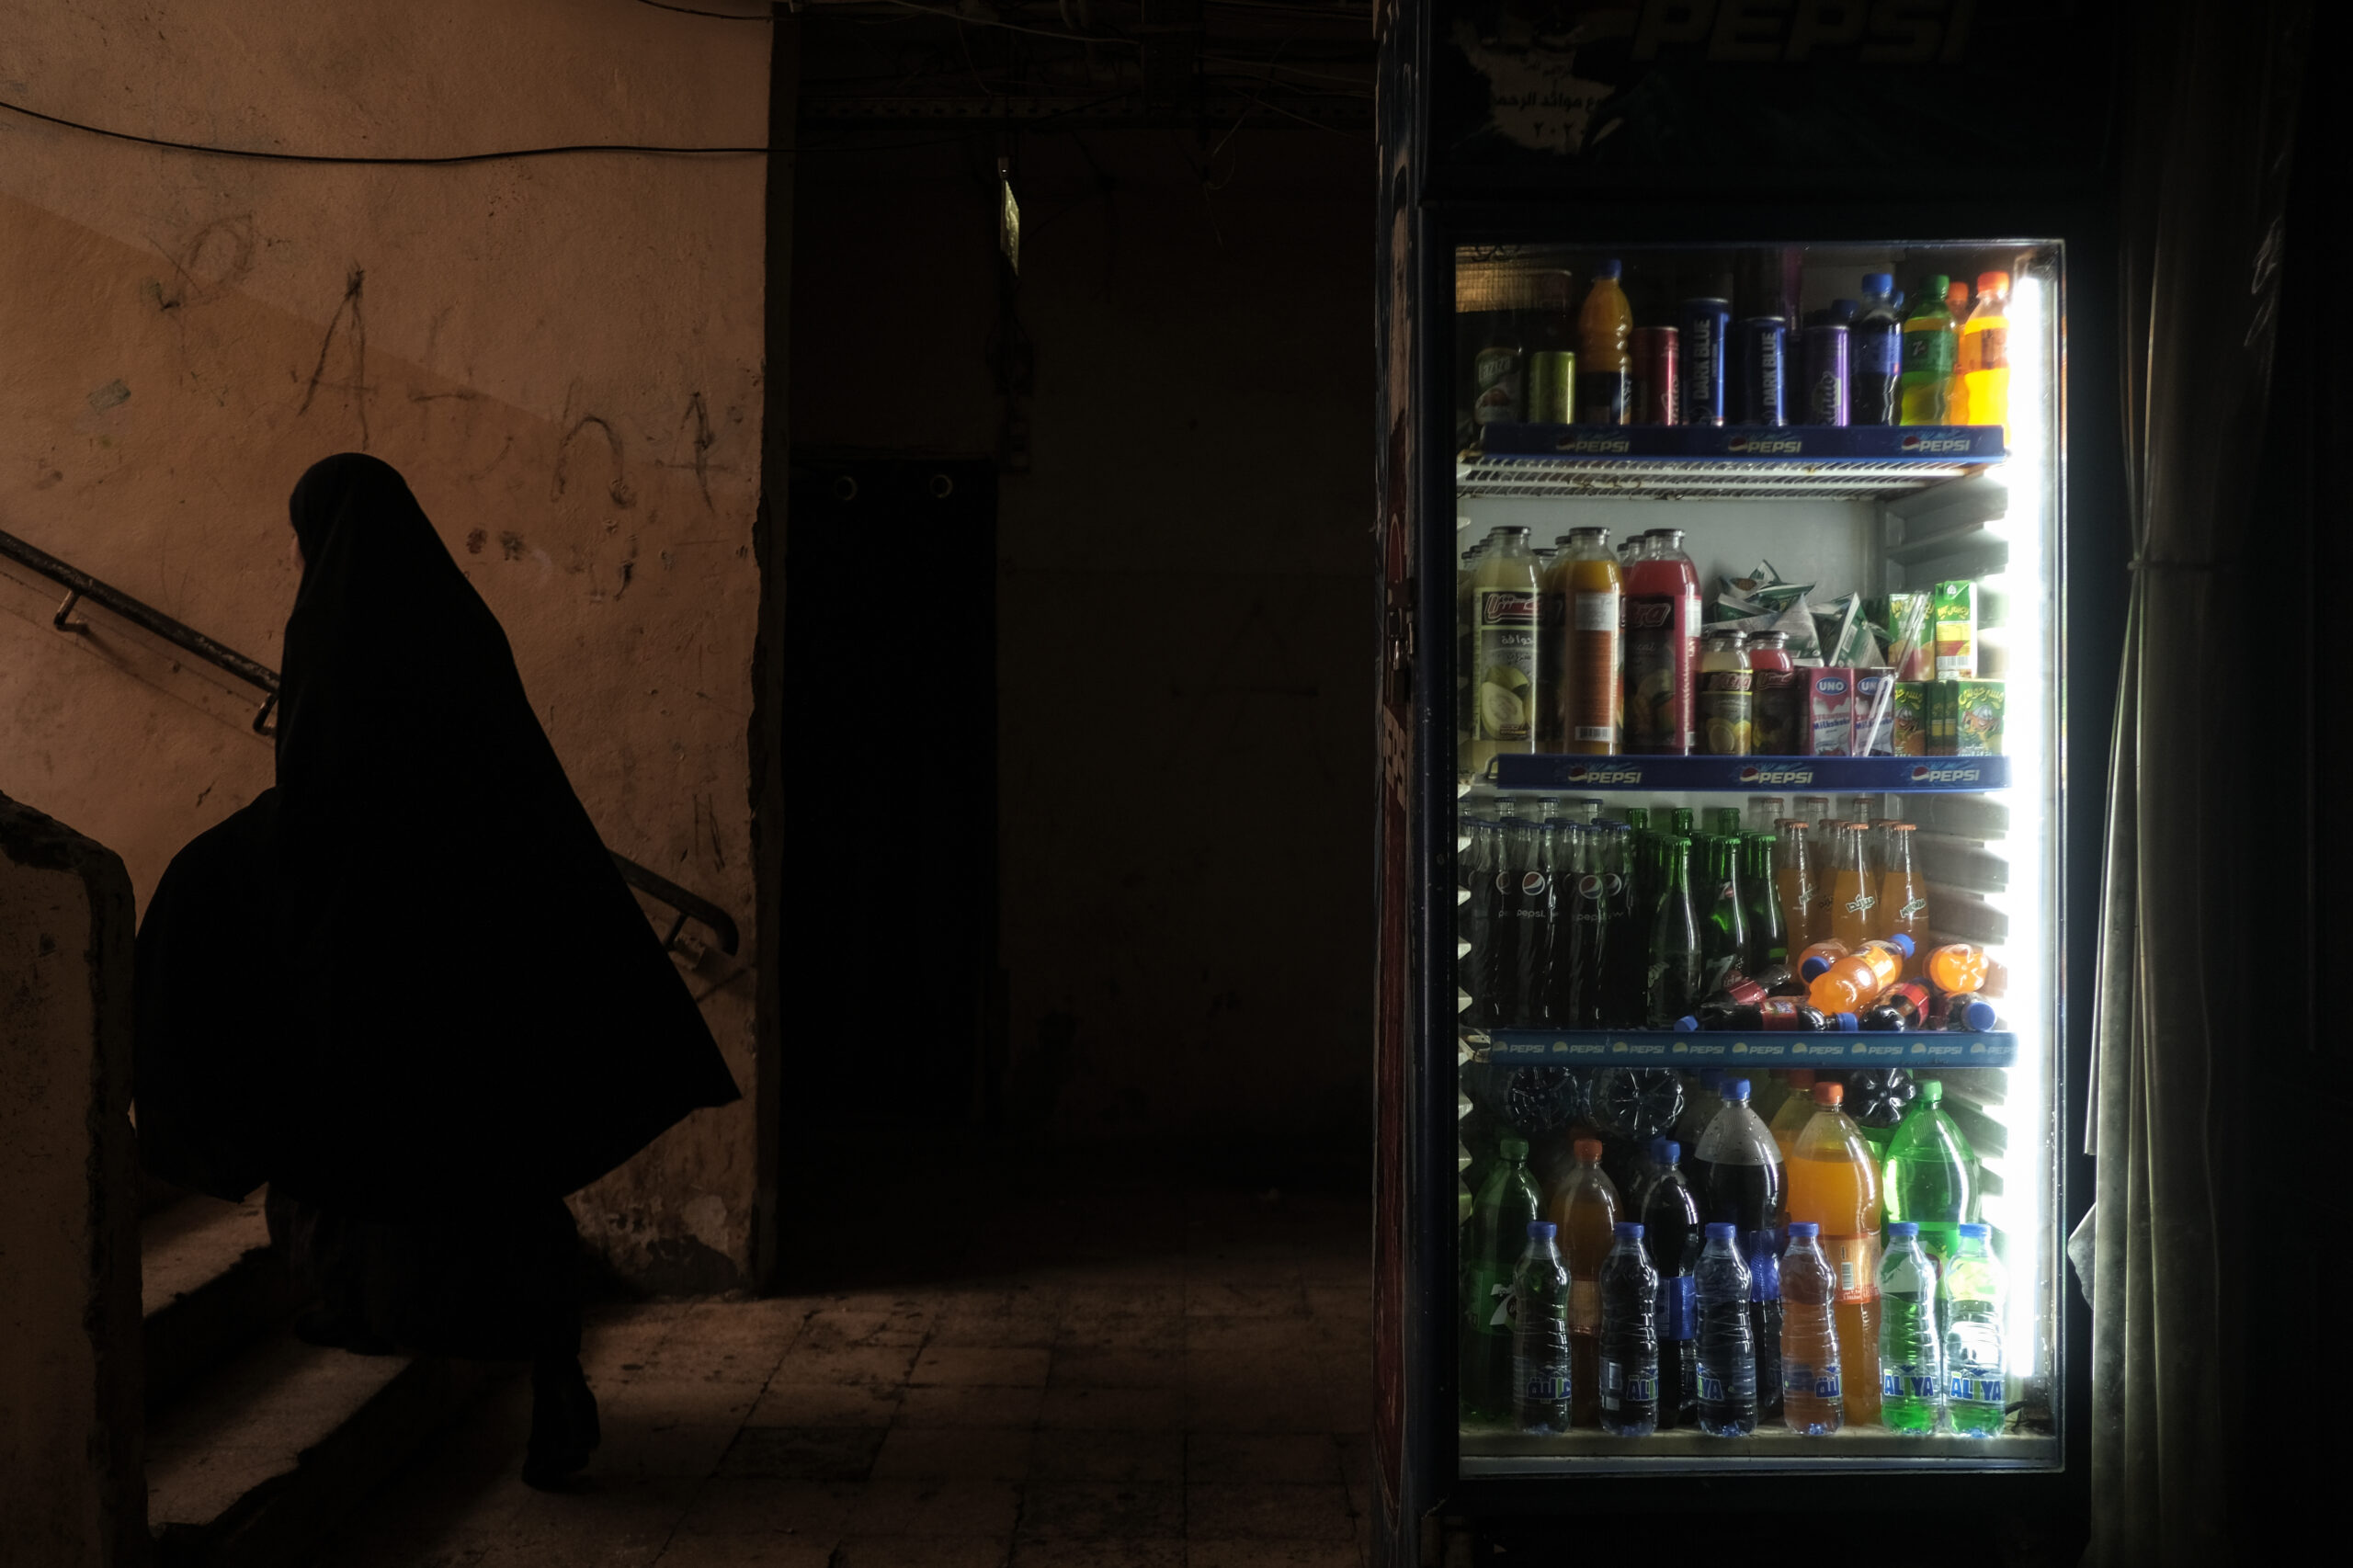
470, 999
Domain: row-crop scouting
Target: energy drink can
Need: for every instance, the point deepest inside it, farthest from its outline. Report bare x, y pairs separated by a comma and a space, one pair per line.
1823, 378
1763, 342
1552, 387
1705, 325
1657, 395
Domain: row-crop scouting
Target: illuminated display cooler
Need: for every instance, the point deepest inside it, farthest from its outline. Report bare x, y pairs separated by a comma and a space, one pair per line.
1741, 797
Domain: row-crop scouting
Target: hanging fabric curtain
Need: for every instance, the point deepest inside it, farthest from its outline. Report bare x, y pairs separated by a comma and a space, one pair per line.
2203, 232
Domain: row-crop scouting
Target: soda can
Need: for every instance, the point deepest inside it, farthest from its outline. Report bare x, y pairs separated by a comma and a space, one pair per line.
1763, 342
1824, 379
1657, 393
1552, 387
1705, 322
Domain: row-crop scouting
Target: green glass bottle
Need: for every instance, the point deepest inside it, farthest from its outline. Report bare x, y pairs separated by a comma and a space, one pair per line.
1723, 932
1769, 939
1674, 966
1493, 1239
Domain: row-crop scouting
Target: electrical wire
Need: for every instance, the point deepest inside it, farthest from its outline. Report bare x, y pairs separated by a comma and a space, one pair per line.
714, 15
353, 158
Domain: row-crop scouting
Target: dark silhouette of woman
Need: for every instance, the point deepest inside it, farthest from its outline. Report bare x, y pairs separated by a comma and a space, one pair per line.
407, 988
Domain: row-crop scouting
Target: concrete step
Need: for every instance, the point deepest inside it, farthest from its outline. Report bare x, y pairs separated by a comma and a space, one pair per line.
258, 1462
209, 1286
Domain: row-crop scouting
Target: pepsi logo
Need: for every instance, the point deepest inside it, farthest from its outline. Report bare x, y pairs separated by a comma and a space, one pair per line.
1532, 882
1748, 774
1578, 773
1919, 771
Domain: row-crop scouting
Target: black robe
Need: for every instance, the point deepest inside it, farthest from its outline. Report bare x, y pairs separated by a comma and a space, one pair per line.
410, 977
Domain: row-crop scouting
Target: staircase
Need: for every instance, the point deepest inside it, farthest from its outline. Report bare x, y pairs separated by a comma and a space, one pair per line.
259, 1445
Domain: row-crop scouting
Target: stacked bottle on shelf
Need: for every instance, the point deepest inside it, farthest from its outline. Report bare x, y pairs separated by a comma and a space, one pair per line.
1796, 1279
1576, 921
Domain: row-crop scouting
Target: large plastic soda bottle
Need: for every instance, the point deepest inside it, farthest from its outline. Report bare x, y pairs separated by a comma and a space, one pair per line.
1604, 370
1671, 1235
1676, 969
1790, 1119
1857, 980
1727, 1404
1853, 891
1902, 907
1834, 1184
1661, 651
1586, 1208
1911, 1348
1793, 879
1874, 354
1931, 1173
1929, 346
1813, 1397
1762, 1250
1491, 1244
1585, 599
1630, 1391
1738, 1170
1982, 358
1505, 596
1969, 1301
1539, 1342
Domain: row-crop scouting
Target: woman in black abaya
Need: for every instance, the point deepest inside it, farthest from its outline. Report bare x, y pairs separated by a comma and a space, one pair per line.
463, 1015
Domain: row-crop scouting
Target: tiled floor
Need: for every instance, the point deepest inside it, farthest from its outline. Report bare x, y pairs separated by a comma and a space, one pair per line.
1169, 1381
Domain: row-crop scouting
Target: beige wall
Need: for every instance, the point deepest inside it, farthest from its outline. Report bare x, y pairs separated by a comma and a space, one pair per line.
1184, 596
563, 354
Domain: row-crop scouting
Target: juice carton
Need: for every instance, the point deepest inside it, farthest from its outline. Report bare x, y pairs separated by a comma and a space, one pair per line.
1910, 629
1825, 711
1874, 712
1908, 723
1944, 717
1978, 707
1954, 608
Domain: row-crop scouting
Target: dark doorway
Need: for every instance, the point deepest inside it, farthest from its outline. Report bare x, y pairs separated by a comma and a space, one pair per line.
888, 955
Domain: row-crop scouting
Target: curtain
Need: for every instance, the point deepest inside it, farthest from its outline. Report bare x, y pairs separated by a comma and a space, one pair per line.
2203, 235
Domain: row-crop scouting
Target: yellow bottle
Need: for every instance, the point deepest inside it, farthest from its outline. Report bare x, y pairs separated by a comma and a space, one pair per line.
1505, 671
1853, 892
1982, 361
1585, 595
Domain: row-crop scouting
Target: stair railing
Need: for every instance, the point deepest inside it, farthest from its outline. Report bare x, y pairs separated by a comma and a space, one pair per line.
81, 587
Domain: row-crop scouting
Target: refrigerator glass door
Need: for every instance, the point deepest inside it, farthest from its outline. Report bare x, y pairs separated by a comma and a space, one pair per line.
1895, 580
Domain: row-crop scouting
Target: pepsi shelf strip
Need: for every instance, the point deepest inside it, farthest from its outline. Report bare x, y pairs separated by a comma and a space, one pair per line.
1722, 1048
1873, 775
1750, 443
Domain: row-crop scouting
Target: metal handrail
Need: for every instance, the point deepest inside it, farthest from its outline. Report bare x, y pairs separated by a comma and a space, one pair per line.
80, 586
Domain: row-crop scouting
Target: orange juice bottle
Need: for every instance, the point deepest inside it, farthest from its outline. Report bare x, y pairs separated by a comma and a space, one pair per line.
1859, 978
1833, 1182
1793, 881
1853, 891
1591, 595
1903, 896
1982, 361
1959, 966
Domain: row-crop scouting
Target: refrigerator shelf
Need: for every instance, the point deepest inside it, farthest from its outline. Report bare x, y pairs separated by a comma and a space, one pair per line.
1873, 774
1506, 1454
1699, 462
1732, 1048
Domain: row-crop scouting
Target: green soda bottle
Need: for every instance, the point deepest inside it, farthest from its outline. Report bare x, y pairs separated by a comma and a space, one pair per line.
1491, 1243
1931, 341
1769, 940
1970, 1303
1911, 1350
1723, 930
1930, 1171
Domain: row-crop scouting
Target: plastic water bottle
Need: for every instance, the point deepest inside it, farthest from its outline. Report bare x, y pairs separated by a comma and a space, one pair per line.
1911, 1351
1810, 1392
1540, 1335
1970, 1303
1763, 1252
1629, 1337
1727, 1341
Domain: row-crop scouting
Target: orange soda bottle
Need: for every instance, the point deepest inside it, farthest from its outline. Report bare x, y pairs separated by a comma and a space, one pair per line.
1585, 1206
1833, 1182
1857, 981
1959, 966
1793, 881
1790, 1117
1818, 955
1853, 891
1903, 896
1982, 361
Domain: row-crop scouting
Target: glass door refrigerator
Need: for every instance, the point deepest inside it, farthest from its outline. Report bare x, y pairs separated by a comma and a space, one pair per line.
1753, 855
